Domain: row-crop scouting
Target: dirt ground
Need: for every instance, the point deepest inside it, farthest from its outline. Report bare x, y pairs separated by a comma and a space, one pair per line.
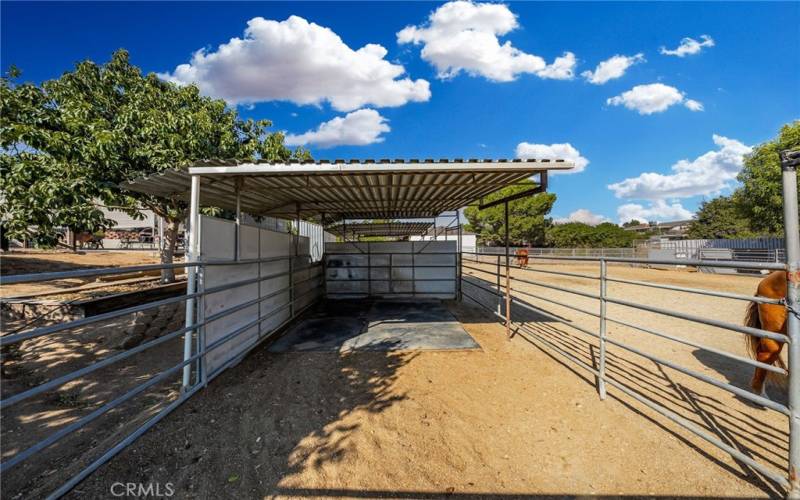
35, 261
511, 420
41, 359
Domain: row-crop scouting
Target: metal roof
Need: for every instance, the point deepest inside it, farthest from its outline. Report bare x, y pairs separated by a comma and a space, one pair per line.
367, 189
392, 229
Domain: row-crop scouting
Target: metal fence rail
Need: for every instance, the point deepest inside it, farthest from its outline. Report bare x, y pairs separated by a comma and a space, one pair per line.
487, 272
567, 252
194, 358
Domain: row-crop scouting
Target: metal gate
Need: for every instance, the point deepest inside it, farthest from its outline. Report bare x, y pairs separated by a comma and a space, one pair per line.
400, 269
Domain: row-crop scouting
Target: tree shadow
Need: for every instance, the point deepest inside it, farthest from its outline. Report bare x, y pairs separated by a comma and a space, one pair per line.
41, 359
273, 416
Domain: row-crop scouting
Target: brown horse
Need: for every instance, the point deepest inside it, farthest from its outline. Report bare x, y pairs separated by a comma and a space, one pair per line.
522, 257
770, 317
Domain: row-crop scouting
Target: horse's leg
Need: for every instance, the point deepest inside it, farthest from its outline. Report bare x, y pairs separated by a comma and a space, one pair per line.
767, 353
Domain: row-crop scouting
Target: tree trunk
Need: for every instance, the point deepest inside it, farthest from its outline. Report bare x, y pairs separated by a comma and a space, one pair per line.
167, 250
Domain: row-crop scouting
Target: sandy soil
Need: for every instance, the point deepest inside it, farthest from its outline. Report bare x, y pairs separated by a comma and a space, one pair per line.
36, 361
33, 261
512, 419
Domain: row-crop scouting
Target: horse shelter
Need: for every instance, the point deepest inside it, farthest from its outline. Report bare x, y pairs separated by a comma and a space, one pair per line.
373, 289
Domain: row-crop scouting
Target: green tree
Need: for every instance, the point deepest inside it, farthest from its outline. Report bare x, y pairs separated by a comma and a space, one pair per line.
720, 217
760, 198
68, 144
580, 235
632, 223
527, 217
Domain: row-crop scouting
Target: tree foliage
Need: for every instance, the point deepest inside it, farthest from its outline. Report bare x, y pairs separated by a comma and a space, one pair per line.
632, 223
760, 198
580, 235
719, 218
527, 217
756, 207
68, 143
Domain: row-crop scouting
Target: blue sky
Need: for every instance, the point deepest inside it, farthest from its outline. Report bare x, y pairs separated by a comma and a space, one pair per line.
471, 80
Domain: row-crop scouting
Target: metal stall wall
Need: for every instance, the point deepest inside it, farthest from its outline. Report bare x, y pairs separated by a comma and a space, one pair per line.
317, 238
424, 269
271, 275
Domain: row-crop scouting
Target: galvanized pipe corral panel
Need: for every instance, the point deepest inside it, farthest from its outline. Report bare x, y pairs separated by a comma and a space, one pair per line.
397, 269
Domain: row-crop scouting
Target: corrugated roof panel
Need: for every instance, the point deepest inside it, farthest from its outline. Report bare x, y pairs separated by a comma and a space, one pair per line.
392, 229
345, 189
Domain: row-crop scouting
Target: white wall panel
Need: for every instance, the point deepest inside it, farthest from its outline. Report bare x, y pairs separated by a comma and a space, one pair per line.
217, 243
391, 269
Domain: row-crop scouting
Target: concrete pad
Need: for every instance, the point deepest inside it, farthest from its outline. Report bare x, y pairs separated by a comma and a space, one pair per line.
367, 325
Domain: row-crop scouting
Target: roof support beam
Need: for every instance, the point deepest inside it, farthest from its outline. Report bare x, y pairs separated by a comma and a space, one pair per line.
541, 188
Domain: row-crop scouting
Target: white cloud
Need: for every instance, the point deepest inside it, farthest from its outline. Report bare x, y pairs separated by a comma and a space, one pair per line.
301, 62
693, 105
358, 128
659, 210
653, 98
563, 151
563, 68
463, 36
583, 215
708, 174
689, 46
611, 68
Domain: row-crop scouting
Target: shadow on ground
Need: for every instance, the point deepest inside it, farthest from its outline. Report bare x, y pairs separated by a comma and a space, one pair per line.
273, 415
279, 414
376, 325
738, 428
737, 374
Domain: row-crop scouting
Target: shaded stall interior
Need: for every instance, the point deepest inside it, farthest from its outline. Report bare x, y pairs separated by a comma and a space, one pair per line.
389, 288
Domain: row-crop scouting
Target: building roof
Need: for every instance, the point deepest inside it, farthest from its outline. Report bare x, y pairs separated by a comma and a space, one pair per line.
366, 229
660, 225
367, 189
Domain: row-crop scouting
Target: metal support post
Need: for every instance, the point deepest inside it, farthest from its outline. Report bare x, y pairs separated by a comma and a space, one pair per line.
369, 270
297, 236
508, 276
789, 163
291, 287
191, 277
499, 306
459, 256
237, 244
201, 377
601, 372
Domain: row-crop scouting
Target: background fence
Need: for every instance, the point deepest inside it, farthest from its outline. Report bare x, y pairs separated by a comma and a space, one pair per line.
567, 252
739, 250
